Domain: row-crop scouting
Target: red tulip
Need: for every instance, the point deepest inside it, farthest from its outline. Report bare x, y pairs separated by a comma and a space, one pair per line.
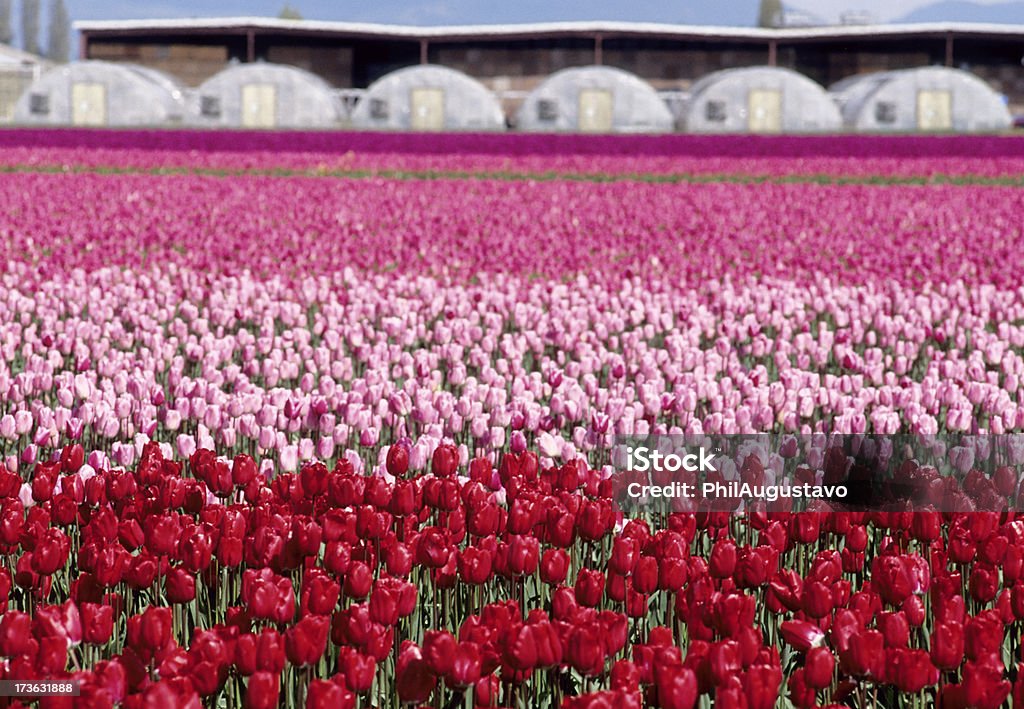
270, 651
947, 645
324, 694
725, 661
150, 632
589, 587
819, 667
816, 599
51, 552
15, 633
892, 579
584, 651
984, 583
357, 669
895, 629
984, 685
358, 580
983, 637
261, 692
97, 623
414, 681
554, 565
319, 592
911, 670
645, 575
384, 604
677, 688
466, 665
625, 552
180, 586
864, 655
439, 650
398, 460
762, 683
722, 562
445, 461
523, 555
520, 648
306, 641
268, 595
475, 565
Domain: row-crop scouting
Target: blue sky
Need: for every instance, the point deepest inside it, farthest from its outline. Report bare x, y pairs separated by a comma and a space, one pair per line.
726, 12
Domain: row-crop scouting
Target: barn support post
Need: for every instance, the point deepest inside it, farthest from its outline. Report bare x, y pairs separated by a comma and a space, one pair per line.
250, 46
83, 46
773, 52
598, 50
949, 49
424, 52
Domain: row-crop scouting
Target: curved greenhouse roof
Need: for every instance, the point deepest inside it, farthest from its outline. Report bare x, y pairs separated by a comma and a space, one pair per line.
760, 99
428, 97
263, 95
923, 99
97, 93
594, 99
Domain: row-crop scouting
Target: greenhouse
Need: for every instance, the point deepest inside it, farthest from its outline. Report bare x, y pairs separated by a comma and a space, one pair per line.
759, 100
923, 99
594, 99
97, 93
428, 98
262, 95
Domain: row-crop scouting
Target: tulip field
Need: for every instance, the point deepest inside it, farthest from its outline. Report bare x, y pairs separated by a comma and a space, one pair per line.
313, 420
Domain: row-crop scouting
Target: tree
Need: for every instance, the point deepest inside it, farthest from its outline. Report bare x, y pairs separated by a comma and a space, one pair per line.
59, 35
30, 26
6, 31
289, 13
770, 14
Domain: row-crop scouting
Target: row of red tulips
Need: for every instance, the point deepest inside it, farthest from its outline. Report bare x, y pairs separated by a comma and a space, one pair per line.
190, 582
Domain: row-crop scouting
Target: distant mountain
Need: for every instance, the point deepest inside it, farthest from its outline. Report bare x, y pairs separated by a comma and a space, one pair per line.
1008, 13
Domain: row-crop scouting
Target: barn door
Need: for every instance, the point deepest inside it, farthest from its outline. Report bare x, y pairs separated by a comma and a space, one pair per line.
595, 111
427, 109
934, 110
88, 104
259, 106
764, 111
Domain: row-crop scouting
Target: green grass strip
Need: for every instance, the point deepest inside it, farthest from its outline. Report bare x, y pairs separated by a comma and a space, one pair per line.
652, 178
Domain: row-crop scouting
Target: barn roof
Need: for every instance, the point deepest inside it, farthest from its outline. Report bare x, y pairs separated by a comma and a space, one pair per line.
539, 29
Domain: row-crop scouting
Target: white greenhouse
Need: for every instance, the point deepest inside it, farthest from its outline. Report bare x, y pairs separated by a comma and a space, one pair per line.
263, 95
594, 99
760, 99
923, 99
97, 93
428, 98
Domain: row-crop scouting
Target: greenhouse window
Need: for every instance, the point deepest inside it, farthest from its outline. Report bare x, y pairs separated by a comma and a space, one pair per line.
714, 111
547, 110
39, 104
378, 109
885, 112
209, 106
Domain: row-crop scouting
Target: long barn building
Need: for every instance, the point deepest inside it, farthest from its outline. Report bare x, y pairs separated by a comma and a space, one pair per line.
510, 59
